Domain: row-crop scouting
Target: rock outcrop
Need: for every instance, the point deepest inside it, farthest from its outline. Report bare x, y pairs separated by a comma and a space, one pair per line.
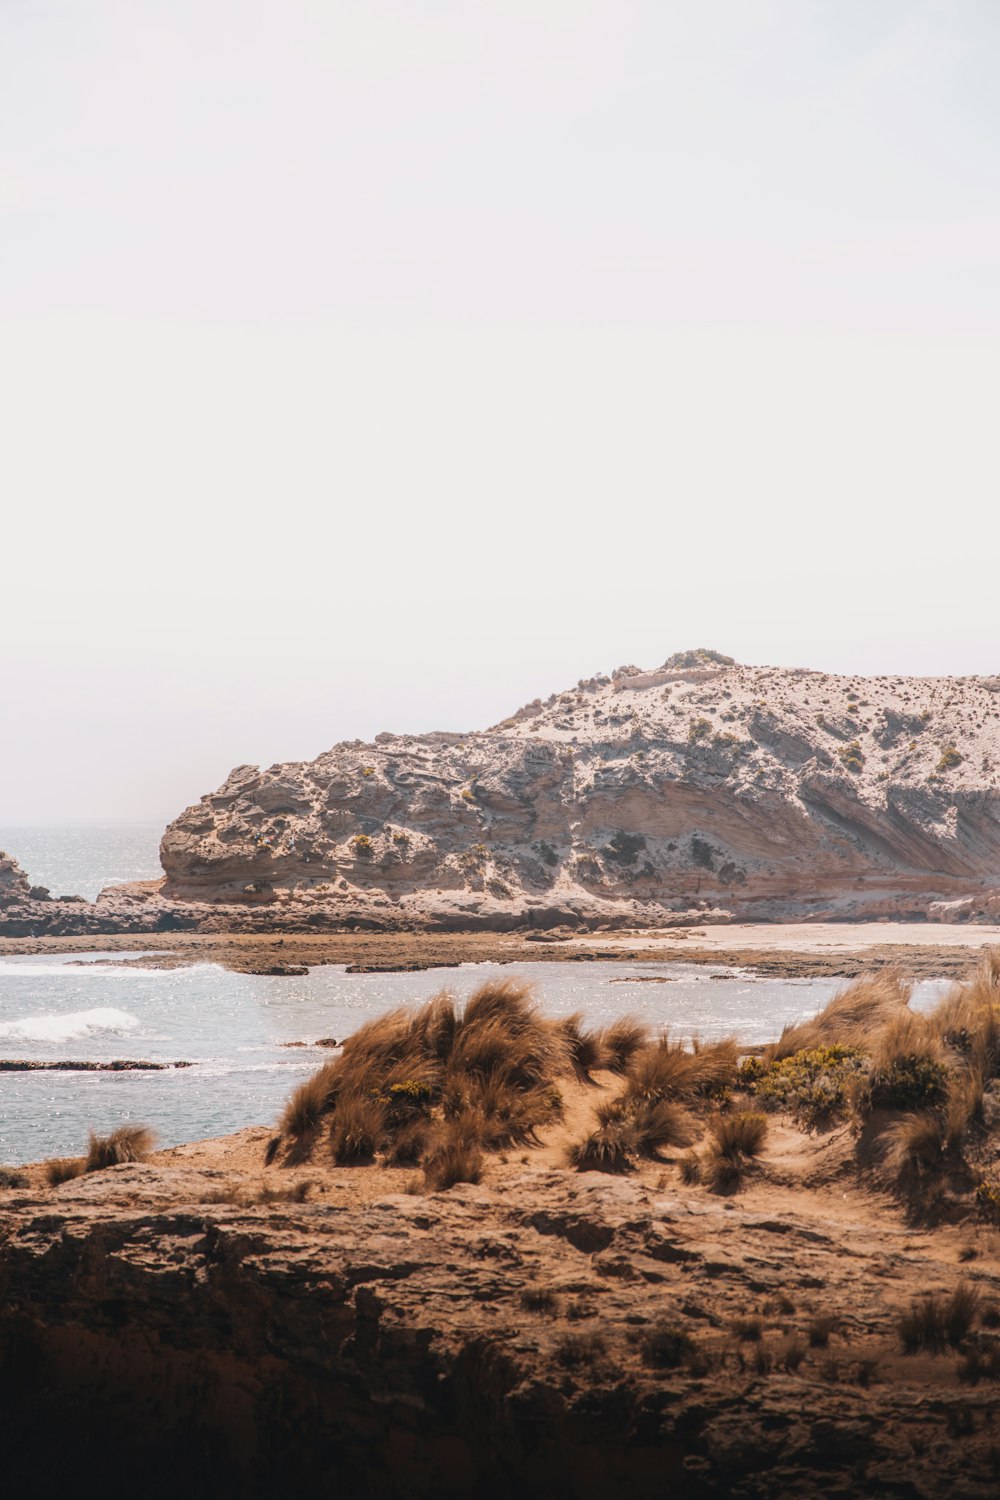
703, 788
569, 1337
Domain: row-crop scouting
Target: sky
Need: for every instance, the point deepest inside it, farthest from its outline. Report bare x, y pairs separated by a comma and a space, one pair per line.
382, 364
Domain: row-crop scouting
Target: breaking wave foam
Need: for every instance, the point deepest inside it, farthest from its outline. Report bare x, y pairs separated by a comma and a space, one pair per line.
71, 1026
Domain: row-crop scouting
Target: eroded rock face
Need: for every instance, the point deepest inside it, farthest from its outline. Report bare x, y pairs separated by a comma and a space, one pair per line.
571, 1337
15, 888
701, 786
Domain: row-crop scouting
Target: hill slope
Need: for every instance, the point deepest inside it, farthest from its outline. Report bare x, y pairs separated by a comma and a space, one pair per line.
701, 787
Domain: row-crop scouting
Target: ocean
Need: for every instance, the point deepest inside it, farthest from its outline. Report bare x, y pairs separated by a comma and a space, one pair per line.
81, 859
235, 1028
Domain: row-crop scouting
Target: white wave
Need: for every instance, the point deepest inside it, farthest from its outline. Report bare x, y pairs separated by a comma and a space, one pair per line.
71, 1026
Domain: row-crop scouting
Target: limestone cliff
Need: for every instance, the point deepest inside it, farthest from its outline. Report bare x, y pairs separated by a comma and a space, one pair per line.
701, 787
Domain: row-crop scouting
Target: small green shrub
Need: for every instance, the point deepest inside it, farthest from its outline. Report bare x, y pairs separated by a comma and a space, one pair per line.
699, 729
988, 1200
852, 757
950, 758
811, 1085
909, 1082
624, 847
362, 845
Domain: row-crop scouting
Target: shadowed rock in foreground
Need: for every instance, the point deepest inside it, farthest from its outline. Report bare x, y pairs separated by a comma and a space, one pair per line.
572, 1337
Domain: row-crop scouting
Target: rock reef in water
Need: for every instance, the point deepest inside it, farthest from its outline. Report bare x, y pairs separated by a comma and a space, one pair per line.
703, 788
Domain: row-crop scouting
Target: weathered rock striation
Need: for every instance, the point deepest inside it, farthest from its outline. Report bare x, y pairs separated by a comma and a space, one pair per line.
699, 790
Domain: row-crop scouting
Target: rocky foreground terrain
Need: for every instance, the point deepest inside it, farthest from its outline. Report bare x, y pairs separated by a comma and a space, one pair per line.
784, 1279
701, 791
570, 1336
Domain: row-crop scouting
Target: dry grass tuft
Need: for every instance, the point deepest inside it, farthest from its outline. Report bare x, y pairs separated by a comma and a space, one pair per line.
609, 1148
310, 1102
660, 1123
791, 1354
357, 1130
665, 1347
690, 1168
128, 1143
734, 1141
819, 1331
980, 1363
454, 1157
10, 1177
584, 1048
538, 1299
621, 1042
913, 1149
64, 1169
668, 1070
577, 1350
850, 1019
933, 1320
747, 1330
493, 1066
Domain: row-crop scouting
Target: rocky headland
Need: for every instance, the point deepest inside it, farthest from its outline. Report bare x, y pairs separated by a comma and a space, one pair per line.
701, 791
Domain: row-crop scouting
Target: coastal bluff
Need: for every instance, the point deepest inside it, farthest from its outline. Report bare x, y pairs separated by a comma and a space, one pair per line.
699, 790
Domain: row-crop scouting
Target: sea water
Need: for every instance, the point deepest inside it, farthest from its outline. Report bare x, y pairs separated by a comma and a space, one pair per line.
235, 1030
81, 859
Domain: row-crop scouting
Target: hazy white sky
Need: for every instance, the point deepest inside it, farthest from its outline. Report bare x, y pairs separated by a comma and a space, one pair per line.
381, 364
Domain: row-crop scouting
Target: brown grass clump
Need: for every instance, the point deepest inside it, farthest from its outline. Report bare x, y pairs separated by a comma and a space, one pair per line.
690, 1168
933, 1320
630, 1127
609, 1148
735, 1140
665, 1347
584, 1048
538, 1299
577, 1350
64, 1169
10, 1177
913, 1149
850, 1019
968, 1019
310, 1102
357, 1130
819, 1331
128, 1143
402, 1075
980, 1363
668, 1070
660, 1123
621, 1042
791, 1354
454, 1159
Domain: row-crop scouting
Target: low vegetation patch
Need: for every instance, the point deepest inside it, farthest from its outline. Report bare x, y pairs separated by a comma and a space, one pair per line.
812, 1086
933, 1320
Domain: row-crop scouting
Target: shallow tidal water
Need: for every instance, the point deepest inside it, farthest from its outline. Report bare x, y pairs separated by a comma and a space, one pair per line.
234, 1027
